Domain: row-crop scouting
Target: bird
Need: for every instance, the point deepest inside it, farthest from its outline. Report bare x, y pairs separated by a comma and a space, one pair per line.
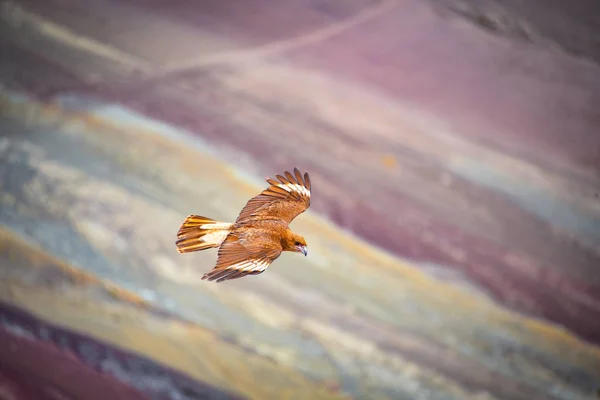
258, 236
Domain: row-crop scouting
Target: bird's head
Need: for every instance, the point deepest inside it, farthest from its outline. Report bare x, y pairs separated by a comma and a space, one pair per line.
295, 243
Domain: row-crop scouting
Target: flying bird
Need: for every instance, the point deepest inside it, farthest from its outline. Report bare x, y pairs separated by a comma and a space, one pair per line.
260, 233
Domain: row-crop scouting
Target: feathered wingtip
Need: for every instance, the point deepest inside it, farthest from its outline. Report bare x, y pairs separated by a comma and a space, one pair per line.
297, 178
296, 185
222, 275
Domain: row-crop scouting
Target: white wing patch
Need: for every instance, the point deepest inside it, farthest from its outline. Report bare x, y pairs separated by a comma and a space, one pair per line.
215, 237
251, 265
216, 225
294, 187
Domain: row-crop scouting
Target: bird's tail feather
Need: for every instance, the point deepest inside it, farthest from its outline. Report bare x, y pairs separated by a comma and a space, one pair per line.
200, 233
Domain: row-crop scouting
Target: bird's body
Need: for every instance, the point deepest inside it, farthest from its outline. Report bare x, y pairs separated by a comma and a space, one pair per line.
259, 234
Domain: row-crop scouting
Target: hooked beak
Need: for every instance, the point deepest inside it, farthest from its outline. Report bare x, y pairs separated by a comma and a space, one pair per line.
302, 249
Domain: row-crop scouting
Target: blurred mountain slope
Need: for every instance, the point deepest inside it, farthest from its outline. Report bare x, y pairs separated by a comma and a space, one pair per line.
471, 158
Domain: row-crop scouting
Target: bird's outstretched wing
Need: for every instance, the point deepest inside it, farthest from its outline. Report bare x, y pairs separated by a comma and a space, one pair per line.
236, 260
285, 199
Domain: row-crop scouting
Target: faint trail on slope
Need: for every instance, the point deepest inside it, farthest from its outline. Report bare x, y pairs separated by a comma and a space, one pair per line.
17, 16
278, 46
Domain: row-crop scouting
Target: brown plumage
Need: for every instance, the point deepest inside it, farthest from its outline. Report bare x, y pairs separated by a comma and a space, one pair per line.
259, 234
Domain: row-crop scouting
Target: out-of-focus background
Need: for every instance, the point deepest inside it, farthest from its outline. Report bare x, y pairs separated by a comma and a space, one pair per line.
454, 232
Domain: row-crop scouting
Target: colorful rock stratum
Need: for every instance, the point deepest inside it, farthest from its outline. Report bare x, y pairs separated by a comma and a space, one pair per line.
454, 230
